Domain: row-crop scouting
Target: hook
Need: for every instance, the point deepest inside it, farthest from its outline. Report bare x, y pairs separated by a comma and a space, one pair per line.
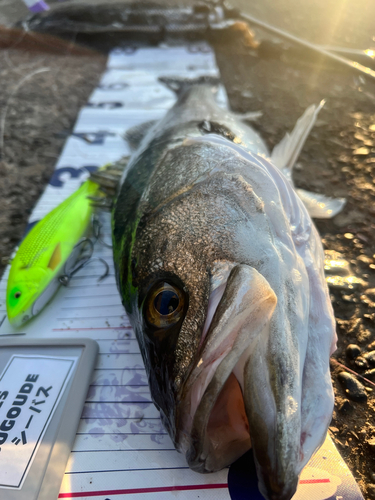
82, 261
96, 226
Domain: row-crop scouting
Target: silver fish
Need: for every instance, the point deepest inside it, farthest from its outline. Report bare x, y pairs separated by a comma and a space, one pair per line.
221, 271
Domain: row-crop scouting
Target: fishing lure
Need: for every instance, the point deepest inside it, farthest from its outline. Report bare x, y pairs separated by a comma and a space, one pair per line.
44, 257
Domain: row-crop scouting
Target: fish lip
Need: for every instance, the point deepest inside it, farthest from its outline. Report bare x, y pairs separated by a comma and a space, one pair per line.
278, 491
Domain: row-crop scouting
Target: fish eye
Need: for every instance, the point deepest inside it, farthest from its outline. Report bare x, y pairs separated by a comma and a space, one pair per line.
166, 302
17, 295
164, 305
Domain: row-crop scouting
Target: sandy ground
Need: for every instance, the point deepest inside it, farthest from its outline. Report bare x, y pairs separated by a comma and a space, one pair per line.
338, 160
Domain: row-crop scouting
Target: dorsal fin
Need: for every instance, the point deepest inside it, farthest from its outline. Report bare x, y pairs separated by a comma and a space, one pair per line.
285, 154
134, 135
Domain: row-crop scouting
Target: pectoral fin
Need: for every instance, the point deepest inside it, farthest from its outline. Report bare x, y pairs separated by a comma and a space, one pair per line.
320, 206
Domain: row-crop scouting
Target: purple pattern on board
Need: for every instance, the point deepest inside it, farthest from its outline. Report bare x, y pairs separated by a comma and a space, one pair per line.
120, 347
158, 438
118, 393
134, 428
129, 334
138, 379
97, 432
118, 438
40, 6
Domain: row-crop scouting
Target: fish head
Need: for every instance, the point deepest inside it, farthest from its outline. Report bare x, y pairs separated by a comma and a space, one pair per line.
218, 297
23, 288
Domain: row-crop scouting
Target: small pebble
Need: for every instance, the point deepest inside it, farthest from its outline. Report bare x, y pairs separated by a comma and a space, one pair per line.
370, 374
371, 442
361, 363
345, 407
349, 236
349, 298
371, 490
365, 259
353, 351
370, 357
353, 388
345, 283
361, 151
335, 264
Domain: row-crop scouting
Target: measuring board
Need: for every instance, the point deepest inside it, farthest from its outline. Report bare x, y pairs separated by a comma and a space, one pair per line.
121, 449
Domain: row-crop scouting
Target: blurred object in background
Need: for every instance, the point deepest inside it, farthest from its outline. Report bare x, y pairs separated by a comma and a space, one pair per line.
36, 7
30, 41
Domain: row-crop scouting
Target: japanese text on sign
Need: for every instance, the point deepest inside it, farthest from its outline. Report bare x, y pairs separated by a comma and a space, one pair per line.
30, 388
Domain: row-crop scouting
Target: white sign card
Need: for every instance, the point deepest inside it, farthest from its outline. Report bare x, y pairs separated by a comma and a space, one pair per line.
30, 389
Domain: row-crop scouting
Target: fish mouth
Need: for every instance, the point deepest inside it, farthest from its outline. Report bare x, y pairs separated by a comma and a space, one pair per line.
220, 432
223, 395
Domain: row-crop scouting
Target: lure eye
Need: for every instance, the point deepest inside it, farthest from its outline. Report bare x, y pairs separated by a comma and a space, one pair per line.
17, 295
164, 305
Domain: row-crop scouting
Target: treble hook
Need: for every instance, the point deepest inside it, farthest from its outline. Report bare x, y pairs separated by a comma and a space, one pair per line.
83, 262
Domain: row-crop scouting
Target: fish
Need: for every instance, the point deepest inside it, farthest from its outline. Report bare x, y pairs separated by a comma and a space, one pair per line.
221, 272
45, 254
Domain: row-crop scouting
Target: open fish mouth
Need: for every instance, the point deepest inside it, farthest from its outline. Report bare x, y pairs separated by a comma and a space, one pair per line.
222, 393
219, 428
220, 432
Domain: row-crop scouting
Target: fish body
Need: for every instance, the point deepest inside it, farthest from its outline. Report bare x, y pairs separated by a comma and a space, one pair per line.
43, 254
220, 269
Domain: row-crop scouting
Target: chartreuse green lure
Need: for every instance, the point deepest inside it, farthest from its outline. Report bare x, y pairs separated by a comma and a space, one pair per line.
43, 255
